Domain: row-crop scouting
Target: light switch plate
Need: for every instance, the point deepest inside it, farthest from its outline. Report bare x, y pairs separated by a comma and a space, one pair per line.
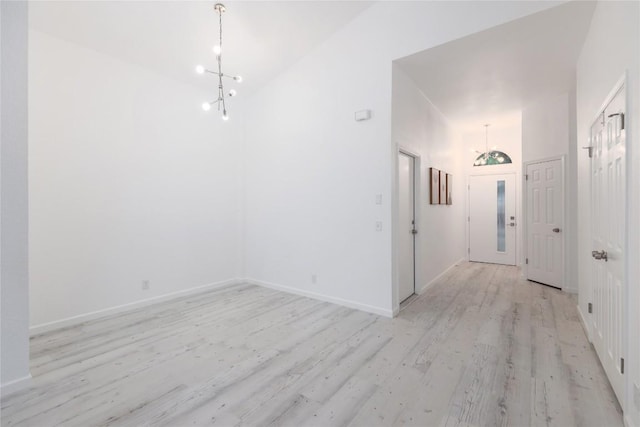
363, 115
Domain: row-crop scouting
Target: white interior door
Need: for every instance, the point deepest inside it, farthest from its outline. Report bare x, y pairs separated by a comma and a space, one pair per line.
406, 191
492, 219
545, 217
608, 239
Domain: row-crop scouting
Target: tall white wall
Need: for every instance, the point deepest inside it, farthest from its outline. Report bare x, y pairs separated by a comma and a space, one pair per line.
129, 181
548, 131
545, 128
612, 47
312, 172
14, 279
417, 126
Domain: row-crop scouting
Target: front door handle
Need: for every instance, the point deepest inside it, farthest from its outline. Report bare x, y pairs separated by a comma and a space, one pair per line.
414, 231
556, 230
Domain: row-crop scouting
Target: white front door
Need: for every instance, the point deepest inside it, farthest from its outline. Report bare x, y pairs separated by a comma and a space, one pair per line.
545, 223
492, 218
608, 238
406, 192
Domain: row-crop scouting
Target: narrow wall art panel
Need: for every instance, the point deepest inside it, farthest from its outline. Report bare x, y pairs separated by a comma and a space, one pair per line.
434, 193
443, 188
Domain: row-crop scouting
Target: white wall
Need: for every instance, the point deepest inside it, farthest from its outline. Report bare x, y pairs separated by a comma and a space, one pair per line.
419, 127
129, 181
14, 280
545, 128
312, 172
612, 47
571, 196
548, 131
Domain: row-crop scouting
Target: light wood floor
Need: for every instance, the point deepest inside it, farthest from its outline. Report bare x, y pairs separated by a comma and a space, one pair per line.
482, 347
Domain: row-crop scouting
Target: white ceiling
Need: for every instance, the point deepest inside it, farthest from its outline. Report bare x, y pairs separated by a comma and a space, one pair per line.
261, 38
490, 76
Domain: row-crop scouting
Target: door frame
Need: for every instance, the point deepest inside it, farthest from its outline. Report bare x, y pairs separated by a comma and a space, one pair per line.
517, 204
525, 217
395, 227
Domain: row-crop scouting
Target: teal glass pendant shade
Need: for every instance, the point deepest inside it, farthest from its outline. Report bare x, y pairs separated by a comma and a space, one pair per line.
493, 157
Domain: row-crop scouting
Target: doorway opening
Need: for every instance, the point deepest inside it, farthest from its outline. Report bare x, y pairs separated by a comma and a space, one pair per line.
407, 225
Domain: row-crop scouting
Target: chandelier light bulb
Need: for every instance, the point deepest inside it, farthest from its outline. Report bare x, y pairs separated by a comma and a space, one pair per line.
238, 79
206, 106
217, 50
233, 92
225, 117
200, 69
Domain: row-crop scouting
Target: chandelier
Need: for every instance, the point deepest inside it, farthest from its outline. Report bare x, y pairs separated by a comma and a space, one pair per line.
217, 50
493, 157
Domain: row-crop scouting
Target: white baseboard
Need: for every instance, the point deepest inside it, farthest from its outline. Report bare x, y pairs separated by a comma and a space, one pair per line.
62, 323
439, 276
584, 323
15, 385
321, 297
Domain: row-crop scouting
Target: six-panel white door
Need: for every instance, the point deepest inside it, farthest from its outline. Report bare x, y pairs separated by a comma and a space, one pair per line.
492, 219
545, 217
608, 209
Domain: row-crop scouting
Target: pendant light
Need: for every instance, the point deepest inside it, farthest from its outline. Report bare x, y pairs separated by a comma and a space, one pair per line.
493, 157
217, 50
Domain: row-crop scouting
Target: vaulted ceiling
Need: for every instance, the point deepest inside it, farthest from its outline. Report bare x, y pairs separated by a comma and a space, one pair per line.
261, 38
470, 80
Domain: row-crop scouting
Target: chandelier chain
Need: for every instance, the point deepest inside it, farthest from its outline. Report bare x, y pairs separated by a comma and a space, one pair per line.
219, 59
220, 27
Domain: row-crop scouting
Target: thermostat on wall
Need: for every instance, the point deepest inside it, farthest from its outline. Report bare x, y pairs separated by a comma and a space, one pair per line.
363, 115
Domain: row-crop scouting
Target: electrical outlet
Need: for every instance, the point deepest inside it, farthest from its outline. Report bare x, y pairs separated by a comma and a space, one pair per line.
145, 285
378, 225
314, 278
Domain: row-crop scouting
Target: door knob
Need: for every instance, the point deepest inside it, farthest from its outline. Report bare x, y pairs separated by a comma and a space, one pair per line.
600, 255
556, 230
414, 231
512, 224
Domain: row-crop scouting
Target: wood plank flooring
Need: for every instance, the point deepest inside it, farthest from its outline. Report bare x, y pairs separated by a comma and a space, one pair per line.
482, 347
